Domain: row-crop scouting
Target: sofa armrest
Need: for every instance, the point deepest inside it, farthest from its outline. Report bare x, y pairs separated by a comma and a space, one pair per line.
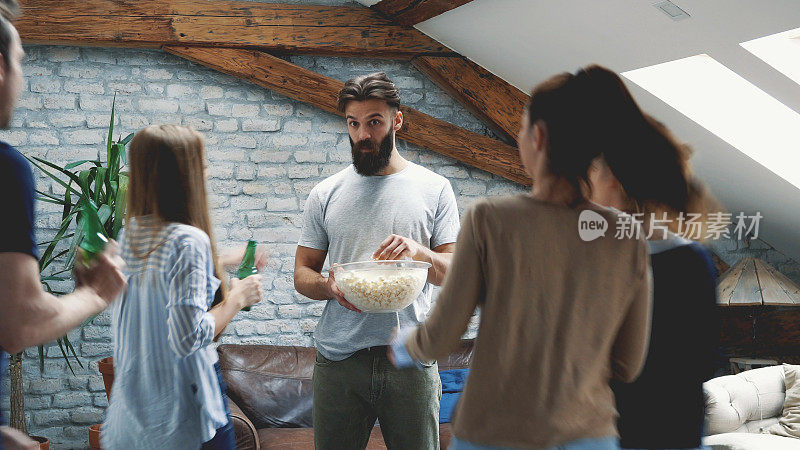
735, 403
245, 431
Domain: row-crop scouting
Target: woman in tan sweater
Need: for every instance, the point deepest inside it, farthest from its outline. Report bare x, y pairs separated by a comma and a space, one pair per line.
562, 311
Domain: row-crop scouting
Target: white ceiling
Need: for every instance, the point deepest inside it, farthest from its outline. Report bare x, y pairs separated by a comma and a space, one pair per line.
526, 41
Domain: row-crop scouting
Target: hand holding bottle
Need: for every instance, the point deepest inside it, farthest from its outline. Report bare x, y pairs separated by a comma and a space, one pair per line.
248, 267
104, 273
246, 292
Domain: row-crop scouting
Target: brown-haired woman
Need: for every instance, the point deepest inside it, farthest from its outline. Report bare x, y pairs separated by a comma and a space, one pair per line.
562, 310
168, 392
647, 174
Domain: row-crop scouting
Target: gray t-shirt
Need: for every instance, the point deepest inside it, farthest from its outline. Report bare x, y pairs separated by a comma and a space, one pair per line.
349, 215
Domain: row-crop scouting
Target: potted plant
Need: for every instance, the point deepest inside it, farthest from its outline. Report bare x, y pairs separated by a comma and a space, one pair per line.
105, 184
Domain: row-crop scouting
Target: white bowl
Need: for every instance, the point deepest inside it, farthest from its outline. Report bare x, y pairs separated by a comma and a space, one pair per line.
381, 286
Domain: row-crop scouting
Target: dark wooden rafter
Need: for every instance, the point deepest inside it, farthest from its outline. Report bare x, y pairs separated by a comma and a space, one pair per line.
412, 12
202, 31
320, 91
497, 103
274, 27
484, 94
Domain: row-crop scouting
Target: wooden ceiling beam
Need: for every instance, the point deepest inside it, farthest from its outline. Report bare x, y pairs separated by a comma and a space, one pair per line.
320, 91
412, 12
274, 27
487, 96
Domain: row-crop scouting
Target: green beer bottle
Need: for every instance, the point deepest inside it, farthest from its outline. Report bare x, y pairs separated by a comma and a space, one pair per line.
248, 266
94, 235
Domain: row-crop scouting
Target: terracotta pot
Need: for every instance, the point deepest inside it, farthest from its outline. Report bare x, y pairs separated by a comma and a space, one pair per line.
94, 437
107, 369
44, 443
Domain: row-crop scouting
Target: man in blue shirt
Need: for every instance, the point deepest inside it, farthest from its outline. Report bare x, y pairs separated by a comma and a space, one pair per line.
30, 316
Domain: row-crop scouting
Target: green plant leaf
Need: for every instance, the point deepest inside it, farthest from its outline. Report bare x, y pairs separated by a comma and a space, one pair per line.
84, 178
120, 206
66, 172
74, 245
104, 212
68, 206
61, 271
100, 182
47, 200
66, 236
89, 320
75, 164
127, 139
50, 196
117, 150
63, 353
53, 176
114, 189
51, 278
41, 359
111, 127
59, 255
72, 350
45, 259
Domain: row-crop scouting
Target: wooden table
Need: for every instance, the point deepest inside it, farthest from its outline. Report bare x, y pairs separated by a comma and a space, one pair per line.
759, 310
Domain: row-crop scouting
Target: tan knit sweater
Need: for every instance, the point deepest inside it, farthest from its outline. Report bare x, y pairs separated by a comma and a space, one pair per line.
559, 318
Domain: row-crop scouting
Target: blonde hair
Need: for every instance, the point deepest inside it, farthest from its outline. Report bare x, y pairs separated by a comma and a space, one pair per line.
167, 180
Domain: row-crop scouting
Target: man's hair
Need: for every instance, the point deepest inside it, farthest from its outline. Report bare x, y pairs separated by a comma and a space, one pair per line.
8, 12
366, 87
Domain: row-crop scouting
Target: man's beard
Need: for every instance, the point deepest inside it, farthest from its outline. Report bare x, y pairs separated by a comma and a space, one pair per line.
368, 164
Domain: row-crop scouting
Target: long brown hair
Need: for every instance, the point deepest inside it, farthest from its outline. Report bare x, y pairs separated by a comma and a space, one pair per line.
699, 200
592, 113
167, 179
560, 105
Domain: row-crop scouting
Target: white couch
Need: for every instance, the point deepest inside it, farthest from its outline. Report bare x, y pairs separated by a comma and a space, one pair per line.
739, 406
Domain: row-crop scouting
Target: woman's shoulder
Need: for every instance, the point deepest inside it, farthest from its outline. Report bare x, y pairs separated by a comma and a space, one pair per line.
183, 235
497, 205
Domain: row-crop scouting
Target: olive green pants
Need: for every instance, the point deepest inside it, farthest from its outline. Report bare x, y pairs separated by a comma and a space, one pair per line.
350, 394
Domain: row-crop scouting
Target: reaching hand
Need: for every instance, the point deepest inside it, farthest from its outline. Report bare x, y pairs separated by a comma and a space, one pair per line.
398, 247
336, 294
246, 292
262, 258
104, 275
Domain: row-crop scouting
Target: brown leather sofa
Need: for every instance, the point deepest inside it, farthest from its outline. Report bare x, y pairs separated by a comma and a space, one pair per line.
270, 394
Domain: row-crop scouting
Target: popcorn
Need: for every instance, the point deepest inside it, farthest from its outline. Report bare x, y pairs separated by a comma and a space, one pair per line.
384, 290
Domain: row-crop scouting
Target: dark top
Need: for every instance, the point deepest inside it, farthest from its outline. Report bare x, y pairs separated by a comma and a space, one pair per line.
16, 184
663, 408
16, 228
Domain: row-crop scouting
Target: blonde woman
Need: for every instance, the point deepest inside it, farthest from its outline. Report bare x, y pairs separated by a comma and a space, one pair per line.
168, 392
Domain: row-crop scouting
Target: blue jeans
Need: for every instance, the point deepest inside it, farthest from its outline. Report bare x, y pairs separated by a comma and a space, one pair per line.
225, 439
606, 443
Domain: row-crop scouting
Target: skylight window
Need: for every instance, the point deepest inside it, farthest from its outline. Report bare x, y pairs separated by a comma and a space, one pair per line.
781, 51
731, 107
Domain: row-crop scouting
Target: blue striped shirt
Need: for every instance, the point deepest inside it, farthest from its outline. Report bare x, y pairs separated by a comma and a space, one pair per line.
166, 394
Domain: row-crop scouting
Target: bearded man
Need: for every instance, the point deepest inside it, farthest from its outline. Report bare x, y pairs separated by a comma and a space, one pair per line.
381, 207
